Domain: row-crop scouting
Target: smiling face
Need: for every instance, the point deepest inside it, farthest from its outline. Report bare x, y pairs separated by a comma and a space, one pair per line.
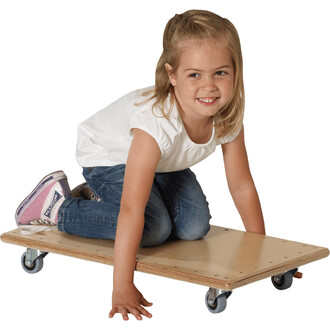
203, 81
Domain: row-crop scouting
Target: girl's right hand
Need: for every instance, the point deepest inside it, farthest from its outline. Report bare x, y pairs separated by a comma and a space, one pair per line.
128, 299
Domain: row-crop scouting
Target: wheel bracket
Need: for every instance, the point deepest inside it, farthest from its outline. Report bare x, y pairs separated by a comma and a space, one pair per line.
213, 294
31, 256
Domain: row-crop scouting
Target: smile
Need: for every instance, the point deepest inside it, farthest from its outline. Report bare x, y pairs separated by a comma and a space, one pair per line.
207, 100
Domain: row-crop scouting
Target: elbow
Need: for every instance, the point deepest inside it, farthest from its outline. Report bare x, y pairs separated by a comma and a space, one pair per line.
131, 211
242, 187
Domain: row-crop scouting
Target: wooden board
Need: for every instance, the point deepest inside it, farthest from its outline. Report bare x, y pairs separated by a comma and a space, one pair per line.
225, 259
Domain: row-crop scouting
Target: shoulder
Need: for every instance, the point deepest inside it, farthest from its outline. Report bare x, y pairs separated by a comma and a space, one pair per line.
231, 136
151, 120
236, 146
133, 98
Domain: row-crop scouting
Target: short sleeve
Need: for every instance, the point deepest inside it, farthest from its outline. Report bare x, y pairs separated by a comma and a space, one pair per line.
230, 137
158, 127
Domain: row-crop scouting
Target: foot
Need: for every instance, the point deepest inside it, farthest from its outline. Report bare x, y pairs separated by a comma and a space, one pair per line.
42, 205
85, 192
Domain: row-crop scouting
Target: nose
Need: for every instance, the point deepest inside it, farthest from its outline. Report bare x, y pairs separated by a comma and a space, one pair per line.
209, 85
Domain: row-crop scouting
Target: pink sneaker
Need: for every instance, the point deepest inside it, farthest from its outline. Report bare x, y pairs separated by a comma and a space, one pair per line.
42, 205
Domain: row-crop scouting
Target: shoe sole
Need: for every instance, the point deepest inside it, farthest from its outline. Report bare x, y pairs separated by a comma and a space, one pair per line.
47, 180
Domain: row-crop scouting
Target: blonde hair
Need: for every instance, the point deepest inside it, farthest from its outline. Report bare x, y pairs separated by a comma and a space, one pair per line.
200, 24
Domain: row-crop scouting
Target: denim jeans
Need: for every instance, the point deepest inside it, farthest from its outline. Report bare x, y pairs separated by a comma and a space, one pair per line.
176, 209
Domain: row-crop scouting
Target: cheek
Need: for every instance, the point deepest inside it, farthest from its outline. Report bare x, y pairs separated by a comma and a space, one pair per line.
228, 88
184, 92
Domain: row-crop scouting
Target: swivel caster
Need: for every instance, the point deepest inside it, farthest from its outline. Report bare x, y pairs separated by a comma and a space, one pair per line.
32, 262
215, 302
284, 281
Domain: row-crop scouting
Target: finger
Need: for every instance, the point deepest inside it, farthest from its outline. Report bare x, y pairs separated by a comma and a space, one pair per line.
145, 302
134, 311
113, 312
124, 314
144, 312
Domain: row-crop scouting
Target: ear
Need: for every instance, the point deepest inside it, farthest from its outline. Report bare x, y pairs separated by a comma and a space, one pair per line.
170, 74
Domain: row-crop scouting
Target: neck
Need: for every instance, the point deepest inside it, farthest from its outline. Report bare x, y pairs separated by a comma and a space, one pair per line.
199, 131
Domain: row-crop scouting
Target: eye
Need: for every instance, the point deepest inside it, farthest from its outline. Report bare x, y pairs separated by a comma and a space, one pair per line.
194, 75
221, 73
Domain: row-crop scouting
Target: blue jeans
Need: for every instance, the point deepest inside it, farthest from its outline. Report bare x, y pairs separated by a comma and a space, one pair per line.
177, 207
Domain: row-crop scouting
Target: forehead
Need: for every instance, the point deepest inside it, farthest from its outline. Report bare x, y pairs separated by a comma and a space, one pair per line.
211, 52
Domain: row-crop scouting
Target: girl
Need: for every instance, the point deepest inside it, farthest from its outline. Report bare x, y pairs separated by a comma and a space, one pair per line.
136, 155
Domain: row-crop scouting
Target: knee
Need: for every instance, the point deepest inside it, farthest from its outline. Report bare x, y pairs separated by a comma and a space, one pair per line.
193, 229
150, 239
156, 232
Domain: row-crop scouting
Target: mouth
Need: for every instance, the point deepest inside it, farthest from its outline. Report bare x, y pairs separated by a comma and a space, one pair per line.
207, 100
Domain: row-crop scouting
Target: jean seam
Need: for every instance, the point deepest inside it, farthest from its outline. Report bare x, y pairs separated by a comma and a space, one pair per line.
175, 199
61, 216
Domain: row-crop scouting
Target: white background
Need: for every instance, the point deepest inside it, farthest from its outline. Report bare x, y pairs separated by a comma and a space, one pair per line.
61, 61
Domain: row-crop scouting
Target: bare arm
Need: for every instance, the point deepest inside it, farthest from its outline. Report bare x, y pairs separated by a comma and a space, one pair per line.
140, 169
241, 184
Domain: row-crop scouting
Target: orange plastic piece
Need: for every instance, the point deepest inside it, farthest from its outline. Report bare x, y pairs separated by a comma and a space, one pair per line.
298, 275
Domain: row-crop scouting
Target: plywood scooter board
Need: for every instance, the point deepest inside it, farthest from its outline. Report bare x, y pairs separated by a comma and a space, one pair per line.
224, 260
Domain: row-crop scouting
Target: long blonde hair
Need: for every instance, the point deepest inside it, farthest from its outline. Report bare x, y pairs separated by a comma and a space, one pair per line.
201, 24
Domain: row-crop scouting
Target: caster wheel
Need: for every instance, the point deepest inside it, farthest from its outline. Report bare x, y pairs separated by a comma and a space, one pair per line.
219, 304
283, 282
35, 267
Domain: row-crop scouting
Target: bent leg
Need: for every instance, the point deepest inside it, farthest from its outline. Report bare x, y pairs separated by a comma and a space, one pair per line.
88, 218
186, 203
158, 225
99, 219
94, 219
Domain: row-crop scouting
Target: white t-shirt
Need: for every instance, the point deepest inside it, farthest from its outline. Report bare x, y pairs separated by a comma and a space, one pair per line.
105, 138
